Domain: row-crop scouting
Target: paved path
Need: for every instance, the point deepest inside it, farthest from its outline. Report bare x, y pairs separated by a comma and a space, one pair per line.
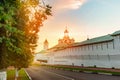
40, 73
44, 73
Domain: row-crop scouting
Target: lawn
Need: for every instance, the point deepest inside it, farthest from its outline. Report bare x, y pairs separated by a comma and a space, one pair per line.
22, 75
82, 69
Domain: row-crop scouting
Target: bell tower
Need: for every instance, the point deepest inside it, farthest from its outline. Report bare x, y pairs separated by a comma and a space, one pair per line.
66, 32
46, 44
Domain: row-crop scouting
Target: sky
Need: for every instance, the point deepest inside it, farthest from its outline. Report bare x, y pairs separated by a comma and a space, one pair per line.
82, 18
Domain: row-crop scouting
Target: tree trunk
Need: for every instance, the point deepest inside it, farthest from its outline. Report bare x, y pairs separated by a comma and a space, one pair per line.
16, 73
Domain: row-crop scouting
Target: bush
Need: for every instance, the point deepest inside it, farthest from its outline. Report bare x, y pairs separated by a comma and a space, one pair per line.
94, 66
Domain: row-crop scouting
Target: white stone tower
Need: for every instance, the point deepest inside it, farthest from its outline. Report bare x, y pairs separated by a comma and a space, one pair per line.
46, 44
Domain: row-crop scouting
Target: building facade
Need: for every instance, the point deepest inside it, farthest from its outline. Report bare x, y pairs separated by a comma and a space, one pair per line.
101, 51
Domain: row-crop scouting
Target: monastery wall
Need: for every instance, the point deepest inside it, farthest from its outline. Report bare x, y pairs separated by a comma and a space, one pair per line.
104, 54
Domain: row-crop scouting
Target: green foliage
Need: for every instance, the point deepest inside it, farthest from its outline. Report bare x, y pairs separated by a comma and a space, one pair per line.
22, 75
10, 74
10, 35
7, 28
18, 30
30, 18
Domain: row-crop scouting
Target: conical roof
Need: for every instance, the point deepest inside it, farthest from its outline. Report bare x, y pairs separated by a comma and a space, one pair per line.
46, 41
66, 31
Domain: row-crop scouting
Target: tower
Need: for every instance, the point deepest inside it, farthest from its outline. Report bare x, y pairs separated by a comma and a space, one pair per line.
66, 40
66, 33
46, 44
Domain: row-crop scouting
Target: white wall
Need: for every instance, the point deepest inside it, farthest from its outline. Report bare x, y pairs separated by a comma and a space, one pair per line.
106, 54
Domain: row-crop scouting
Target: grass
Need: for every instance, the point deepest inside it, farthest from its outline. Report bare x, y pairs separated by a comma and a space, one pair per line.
82, 69
10, 75
22, 75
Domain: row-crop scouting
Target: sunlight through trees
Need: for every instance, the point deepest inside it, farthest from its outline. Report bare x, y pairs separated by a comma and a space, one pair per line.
20, 21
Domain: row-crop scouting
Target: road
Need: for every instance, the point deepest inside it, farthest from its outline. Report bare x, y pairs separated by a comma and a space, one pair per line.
44, 73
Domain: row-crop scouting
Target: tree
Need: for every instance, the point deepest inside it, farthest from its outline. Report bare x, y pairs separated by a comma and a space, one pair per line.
30, 17
20, 21
7, 29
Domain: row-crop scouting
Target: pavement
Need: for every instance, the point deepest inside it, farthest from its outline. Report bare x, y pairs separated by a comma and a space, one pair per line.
45, 73
39, 73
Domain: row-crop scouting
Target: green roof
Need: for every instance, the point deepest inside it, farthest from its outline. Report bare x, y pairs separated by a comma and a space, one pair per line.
87, 42
116, 33
95, 40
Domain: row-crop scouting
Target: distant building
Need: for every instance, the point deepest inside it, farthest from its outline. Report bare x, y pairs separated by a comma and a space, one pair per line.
66, 39
46, 44
62, 43
40, 56
103, 51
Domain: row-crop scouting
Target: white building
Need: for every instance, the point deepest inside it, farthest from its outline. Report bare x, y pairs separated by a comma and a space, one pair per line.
41, 56
103, 51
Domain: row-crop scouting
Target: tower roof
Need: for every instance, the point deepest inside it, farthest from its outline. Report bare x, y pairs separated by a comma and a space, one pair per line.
66, 31
46, 41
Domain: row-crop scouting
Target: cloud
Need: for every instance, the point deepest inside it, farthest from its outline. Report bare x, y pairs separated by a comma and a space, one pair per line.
66, 4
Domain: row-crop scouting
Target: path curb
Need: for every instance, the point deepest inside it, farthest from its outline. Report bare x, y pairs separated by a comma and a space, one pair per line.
105, 73
28, 75
87, 72
115, 74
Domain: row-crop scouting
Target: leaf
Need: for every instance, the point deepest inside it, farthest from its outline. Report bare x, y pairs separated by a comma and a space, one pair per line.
1, 25
1, 8
1, 39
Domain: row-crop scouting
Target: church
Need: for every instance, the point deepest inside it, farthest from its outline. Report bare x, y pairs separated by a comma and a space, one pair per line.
103, 51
